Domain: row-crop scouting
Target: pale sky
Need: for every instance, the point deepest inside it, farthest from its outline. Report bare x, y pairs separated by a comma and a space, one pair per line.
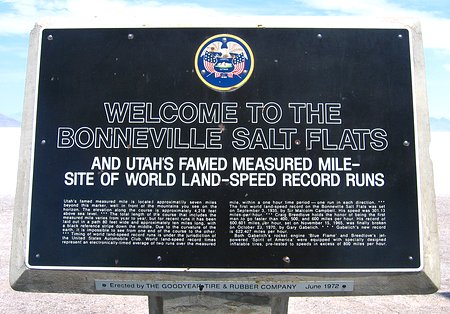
18, 17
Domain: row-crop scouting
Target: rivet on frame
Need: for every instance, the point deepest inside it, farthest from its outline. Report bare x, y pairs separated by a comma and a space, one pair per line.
130, 36
406, 143
319, 36
286, 259
50, 37
43, 142
400, 36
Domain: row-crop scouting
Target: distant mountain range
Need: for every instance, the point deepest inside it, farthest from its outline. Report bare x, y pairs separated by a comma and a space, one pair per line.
8, 122
441, 124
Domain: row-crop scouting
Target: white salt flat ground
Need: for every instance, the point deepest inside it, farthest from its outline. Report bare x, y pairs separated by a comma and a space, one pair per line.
9, 156
440, 155
19, 302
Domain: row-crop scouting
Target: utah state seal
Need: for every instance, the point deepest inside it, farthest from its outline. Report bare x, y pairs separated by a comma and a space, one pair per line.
224, 62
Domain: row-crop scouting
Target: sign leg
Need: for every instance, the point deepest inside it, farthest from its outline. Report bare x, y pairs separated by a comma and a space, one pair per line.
155, 305
222, 303
279, 305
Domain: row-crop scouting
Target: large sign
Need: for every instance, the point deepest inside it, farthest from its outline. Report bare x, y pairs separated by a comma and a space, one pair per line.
140, 161
226, 151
